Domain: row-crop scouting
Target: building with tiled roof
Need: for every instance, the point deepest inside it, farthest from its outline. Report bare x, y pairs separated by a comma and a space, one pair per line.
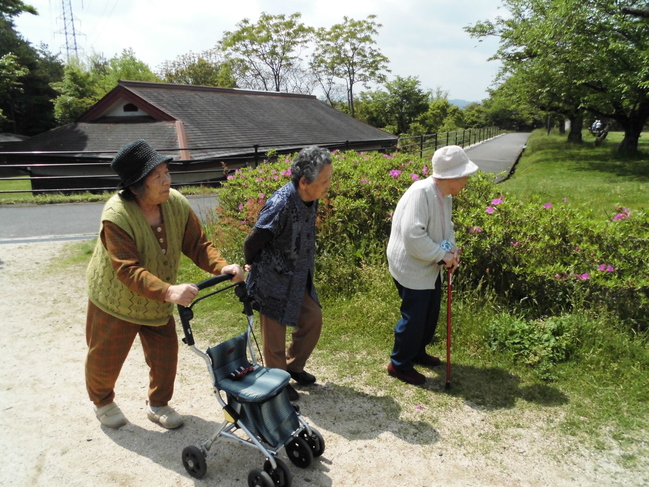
204, 128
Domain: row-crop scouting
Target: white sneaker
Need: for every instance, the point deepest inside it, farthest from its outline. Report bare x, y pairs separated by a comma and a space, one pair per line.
165, 416
110, 415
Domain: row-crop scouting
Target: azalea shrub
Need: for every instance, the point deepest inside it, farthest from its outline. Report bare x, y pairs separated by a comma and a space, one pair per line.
547, 257
539, 257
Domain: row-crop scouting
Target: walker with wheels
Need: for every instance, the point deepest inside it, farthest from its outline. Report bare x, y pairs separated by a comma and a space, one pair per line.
254, 401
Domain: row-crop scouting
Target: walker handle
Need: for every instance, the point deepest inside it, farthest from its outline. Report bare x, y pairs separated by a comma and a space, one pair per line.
186, 314
213, 281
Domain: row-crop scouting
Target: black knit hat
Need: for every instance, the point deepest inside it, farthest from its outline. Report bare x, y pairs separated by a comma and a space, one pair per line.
135, 161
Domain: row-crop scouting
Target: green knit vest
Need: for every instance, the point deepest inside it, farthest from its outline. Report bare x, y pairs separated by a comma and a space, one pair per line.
107, 292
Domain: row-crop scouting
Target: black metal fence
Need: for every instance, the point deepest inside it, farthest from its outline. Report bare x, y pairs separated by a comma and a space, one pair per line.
429, 143
93, 175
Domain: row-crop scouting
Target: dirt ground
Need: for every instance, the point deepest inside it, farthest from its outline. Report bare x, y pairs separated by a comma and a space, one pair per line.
49, 435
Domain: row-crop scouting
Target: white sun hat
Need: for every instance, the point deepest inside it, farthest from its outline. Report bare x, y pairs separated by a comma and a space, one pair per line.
451, 162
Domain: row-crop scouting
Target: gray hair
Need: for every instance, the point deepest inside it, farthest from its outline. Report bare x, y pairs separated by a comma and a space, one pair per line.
308, 164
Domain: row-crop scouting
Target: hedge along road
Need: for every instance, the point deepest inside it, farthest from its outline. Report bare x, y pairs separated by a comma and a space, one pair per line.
80, 221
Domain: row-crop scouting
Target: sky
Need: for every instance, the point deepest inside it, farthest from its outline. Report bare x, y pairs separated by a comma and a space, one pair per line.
421, 38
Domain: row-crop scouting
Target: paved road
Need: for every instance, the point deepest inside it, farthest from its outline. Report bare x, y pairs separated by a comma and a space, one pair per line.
81, 221
500, 154
67, 221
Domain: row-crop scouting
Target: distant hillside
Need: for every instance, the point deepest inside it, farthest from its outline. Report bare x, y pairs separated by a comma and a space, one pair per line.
461, 103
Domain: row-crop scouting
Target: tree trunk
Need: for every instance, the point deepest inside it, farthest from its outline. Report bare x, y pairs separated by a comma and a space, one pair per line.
633, 126
576, 126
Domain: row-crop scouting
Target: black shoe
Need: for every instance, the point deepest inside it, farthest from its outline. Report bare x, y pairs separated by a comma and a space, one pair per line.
303, 378
292, 393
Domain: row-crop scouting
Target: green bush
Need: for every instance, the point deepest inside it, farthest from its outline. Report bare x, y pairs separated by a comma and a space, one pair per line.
545, 258
540, 344
540, 259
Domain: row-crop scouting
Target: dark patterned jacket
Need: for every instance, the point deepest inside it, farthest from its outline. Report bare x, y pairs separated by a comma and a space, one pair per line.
283, 271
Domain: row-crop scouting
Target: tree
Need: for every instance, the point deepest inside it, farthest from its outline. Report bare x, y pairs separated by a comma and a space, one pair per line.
11, 8
402, 102
266, 55
28, 111
346, 51
206, 69
599, 56
10, 74
85, 82
474, 116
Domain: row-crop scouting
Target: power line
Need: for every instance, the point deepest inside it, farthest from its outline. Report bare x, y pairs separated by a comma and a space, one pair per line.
71, 48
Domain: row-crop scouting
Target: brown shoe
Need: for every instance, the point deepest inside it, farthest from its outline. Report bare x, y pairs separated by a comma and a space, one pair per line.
429, 360
410, 376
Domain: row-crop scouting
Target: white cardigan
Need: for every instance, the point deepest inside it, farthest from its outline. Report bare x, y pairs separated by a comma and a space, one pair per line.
414, 247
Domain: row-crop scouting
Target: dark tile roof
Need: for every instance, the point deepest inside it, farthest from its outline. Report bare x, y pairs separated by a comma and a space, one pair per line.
217, 123
103, 139
217, 117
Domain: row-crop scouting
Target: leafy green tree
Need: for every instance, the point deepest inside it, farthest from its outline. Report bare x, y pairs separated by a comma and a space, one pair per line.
30, 110
11, 8
81, 87
474, 116
402, 102
266, 55
599, 54
10, 74
346, 51
206, 69
85, 82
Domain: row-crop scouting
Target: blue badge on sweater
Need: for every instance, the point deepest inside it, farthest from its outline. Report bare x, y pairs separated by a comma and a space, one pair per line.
446, 245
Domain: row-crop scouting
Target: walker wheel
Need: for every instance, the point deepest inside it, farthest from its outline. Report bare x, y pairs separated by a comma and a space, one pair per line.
281, 476
299, 452
315, 441
194, 461
258, 478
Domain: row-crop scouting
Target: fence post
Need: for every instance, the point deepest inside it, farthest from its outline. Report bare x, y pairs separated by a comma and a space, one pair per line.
447, 138
256, 155
435, 134
421, 146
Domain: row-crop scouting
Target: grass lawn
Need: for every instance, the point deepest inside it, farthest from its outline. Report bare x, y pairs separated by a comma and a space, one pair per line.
596, 177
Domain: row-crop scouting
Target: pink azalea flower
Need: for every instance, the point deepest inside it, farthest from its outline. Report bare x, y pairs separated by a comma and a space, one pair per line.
395, 173
230, 176
364, 181
564, 199
489, 209
425, 170
515, 244
414, 177
240, 207
286, 173
497, 201
610, 268
583, 276
547, 205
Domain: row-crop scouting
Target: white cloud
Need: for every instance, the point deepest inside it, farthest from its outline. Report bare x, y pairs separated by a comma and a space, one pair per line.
422, 38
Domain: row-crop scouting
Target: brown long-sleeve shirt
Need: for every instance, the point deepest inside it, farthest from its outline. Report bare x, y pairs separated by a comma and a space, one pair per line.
125, 258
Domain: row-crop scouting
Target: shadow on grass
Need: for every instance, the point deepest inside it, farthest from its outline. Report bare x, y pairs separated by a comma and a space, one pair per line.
491, 388
228, 462
635, 169
359, 416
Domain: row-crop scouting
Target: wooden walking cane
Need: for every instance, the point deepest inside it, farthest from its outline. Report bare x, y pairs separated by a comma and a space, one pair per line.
449, 294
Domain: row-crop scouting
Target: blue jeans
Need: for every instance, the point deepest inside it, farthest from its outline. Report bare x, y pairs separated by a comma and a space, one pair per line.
416, 328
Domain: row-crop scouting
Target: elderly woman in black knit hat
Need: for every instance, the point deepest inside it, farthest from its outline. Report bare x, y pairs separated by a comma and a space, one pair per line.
132, 286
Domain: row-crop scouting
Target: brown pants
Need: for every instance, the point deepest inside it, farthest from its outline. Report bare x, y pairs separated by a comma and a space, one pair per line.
109, 341
304, 338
